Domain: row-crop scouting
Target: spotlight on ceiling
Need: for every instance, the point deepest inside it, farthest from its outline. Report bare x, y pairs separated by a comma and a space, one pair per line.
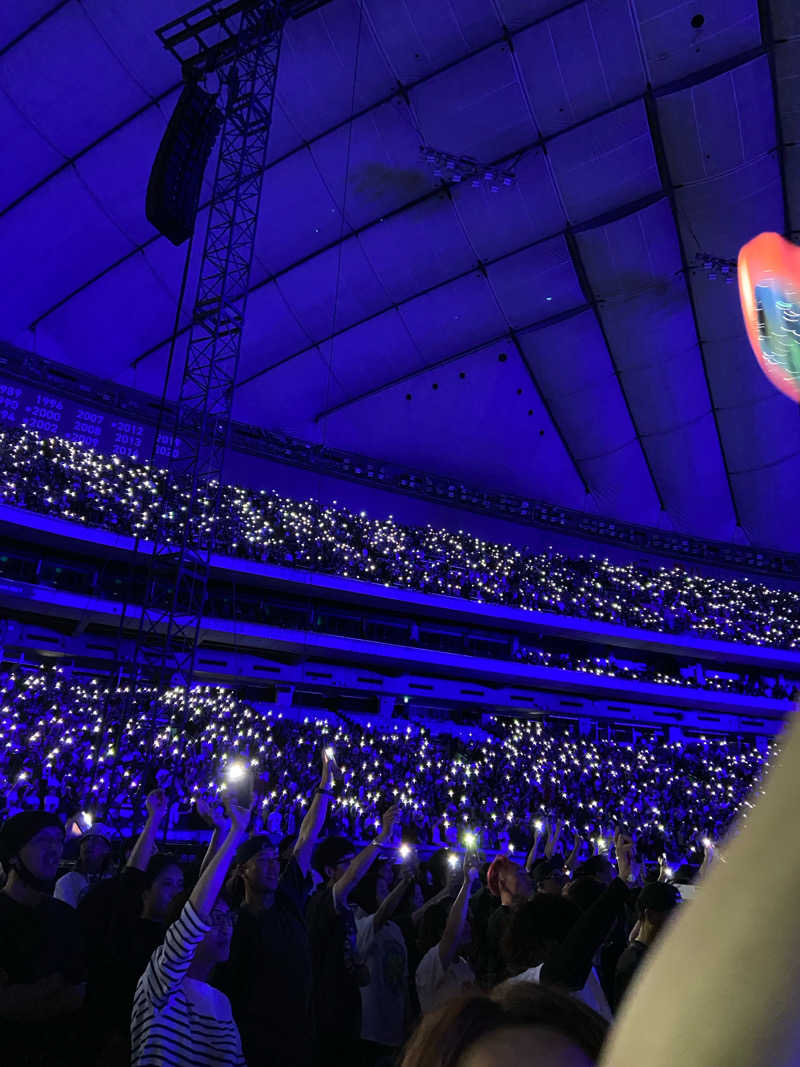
453, 169
715, 267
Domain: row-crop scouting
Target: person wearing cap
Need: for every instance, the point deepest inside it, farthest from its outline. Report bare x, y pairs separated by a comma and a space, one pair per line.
268, 977
655, 905
42, 968
94, 861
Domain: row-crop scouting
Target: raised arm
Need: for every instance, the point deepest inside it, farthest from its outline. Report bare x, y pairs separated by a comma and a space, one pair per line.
391, 901
570, 964
538, 827
450, 892
207, 811
554, 828
364, 860
569, 863
735, 949
212, 879
171, 961
448, 946
314, 817
142, 850
708, 858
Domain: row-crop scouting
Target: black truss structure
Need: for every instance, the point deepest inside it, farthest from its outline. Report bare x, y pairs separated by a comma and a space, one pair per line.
197, 428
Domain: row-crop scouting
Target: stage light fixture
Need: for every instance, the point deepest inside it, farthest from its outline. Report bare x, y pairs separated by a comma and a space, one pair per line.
460, 168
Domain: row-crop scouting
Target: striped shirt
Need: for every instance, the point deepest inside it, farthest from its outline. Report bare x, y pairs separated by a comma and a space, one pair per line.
179, 1021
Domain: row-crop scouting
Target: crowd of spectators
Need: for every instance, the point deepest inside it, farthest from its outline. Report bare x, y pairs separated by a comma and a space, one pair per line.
644, 669
64, 478
72, 745
345, 910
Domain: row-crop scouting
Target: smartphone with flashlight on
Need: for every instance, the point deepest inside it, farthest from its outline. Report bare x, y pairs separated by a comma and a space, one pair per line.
471, 842
239, 782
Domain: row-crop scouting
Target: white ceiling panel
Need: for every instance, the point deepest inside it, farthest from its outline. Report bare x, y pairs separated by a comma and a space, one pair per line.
605, 164
580, 62
640, 133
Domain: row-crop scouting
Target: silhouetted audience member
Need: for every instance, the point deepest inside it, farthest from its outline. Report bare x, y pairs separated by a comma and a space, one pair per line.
42, 963
269, 975
338, 970
655, 904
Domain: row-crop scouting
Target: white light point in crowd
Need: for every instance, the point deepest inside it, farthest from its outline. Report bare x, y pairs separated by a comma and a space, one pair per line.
236, 771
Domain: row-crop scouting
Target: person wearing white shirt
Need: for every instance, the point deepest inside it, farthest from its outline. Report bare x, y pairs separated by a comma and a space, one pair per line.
381, 945
592, 993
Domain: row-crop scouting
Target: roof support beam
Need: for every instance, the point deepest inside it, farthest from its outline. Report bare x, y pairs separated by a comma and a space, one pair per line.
401, 91
666, 181
34, 26
435, 191
546, 405
591, 299
621, 212
79, 155
506, 335
768, 36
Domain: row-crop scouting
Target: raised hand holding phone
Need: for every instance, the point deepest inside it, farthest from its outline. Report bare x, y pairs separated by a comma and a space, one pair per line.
239, 783
388, 821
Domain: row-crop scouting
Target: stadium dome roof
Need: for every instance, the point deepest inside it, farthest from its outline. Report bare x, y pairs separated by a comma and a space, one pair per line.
554, 339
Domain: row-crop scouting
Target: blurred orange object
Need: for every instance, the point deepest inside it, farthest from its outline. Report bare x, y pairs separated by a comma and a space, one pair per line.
769, 289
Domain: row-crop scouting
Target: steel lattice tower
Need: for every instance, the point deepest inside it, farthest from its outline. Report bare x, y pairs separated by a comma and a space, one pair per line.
198, 427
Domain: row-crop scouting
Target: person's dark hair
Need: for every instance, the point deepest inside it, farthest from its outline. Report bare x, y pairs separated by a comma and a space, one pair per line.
594, 867
157, 865
365, 894
537, 925
287, 841
176, 904
439, 869
329, 853
584, 892
446, 1035
686, 874
660, 897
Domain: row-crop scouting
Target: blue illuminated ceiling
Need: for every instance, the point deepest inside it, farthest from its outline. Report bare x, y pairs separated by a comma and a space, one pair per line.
553, 339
